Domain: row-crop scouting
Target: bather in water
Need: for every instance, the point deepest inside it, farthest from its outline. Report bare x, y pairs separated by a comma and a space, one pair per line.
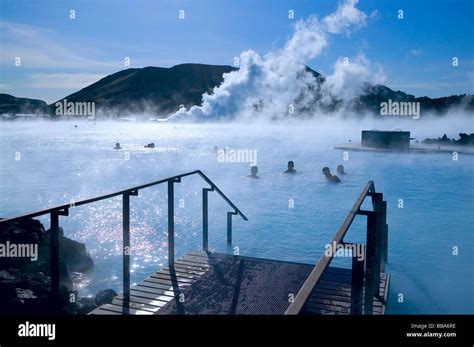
291, 168
117, 146
150, 145
340, 170
330, 177
253, 172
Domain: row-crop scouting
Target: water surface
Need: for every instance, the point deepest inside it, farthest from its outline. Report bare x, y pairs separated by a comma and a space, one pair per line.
291, 217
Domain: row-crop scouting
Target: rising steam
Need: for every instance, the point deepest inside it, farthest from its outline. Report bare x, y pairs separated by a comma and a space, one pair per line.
278, 84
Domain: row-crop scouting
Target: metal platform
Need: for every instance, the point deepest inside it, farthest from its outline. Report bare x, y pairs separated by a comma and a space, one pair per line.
221, 284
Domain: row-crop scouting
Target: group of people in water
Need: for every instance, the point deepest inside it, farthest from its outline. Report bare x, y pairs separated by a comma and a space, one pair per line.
290, 167
149, 145
291, 170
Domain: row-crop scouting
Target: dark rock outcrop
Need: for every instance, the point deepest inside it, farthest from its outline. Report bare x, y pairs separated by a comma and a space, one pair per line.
105, 297
25, 285
85, 305
464, 140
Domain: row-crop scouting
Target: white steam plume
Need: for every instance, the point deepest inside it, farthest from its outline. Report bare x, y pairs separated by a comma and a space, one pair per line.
345, 81
266, 86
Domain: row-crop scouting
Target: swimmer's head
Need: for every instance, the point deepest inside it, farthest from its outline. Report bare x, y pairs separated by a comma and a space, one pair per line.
340, 170
254, 170
291, 165
326, 171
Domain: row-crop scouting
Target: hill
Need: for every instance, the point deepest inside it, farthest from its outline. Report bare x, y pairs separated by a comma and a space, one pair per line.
152, 89
13, 105
161, 91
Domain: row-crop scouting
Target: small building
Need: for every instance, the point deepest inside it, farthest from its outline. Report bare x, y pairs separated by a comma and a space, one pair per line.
397, 140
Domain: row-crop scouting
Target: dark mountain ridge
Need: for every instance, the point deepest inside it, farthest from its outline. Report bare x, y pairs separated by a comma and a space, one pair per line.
162, 91
153, 89
13, 105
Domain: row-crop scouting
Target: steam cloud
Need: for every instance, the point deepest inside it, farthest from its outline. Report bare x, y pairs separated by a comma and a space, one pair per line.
278, 84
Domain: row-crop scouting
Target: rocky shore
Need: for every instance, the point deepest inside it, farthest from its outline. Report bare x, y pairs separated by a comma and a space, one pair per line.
25, 282
464, 140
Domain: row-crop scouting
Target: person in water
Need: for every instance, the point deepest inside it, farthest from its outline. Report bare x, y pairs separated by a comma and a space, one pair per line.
150, 145
117, 146
253, 172
330, 177
340, 170
291, 168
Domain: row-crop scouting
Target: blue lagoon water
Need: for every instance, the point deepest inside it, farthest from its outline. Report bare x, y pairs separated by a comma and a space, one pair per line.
291, 217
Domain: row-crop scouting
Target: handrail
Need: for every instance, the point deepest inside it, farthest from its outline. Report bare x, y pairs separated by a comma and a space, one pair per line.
121, 192
222, 195
308, 286
63, 210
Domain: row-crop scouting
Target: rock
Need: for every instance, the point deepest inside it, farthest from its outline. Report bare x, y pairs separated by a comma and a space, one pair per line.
64, 278
23, 295
78, 277
87, 301
31, 231
5, 275
25, 285
23, 231
16, 273
85, 305
10, 277
37, 282
105, 296
20, 232
73, 253
76, 256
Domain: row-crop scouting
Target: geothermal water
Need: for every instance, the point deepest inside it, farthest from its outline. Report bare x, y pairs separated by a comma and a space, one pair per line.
291, 217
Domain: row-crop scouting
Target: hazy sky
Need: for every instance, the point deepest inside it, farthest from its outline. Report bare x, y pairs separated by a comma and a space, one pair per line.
60, 55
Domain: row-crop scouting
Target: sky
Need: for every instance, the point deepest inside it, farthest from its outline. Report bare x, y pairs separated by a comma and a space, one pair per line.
60, 55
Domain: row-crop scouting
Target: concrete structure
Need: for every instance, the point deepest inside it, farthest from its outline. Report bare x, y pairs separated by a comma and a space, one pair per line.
398, 140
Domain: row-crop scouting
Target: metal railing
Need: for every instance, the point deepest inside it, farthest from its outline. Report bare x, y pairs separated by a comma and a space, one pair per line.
366, 272
63, 210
